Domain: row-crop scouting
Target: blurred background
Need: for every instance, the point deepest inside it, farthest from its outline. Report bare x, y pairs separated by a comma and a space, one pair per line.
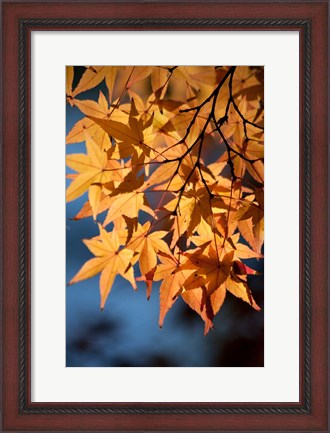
126, 332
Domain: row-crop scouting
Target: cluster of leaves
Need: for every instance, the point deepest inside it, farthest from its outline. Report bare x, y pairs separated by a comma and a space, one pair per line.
174, 174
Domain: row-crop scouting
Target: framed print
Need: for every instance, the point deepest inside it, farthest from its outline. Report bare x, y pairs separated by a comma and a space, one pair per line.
174, 152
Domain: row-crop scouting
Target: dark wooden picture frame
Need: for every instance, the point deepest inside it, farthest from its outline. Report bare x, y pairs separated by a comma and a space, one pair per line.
19, 20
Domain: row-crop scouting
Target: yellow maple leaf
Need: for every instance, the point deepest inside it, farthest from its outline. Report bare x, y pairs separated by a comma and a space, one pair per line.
110, 260
92, 76
93, 170
214, 267
148, 244
172, 282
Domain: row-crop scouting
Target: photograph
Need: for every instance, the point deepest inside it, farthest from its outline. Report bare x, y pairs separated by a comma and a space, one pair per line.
165, 216
165, 248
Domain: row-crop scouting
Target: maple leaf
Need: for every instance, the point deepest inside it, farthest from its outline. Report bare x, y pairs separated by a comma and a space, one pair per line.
163, 173
245, 82
248, 157
126, 199
98, 109
92, 169
138, 73
101, 110
182, 73
232, 244
189, 209
128, 204
147, 244
159, 80
218, 275
250, 219
92, 76
85, 125
240, 289
172, 277
87, 211
110, 77
69, 81
135, 137
109, 259
213, 266
195, 298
